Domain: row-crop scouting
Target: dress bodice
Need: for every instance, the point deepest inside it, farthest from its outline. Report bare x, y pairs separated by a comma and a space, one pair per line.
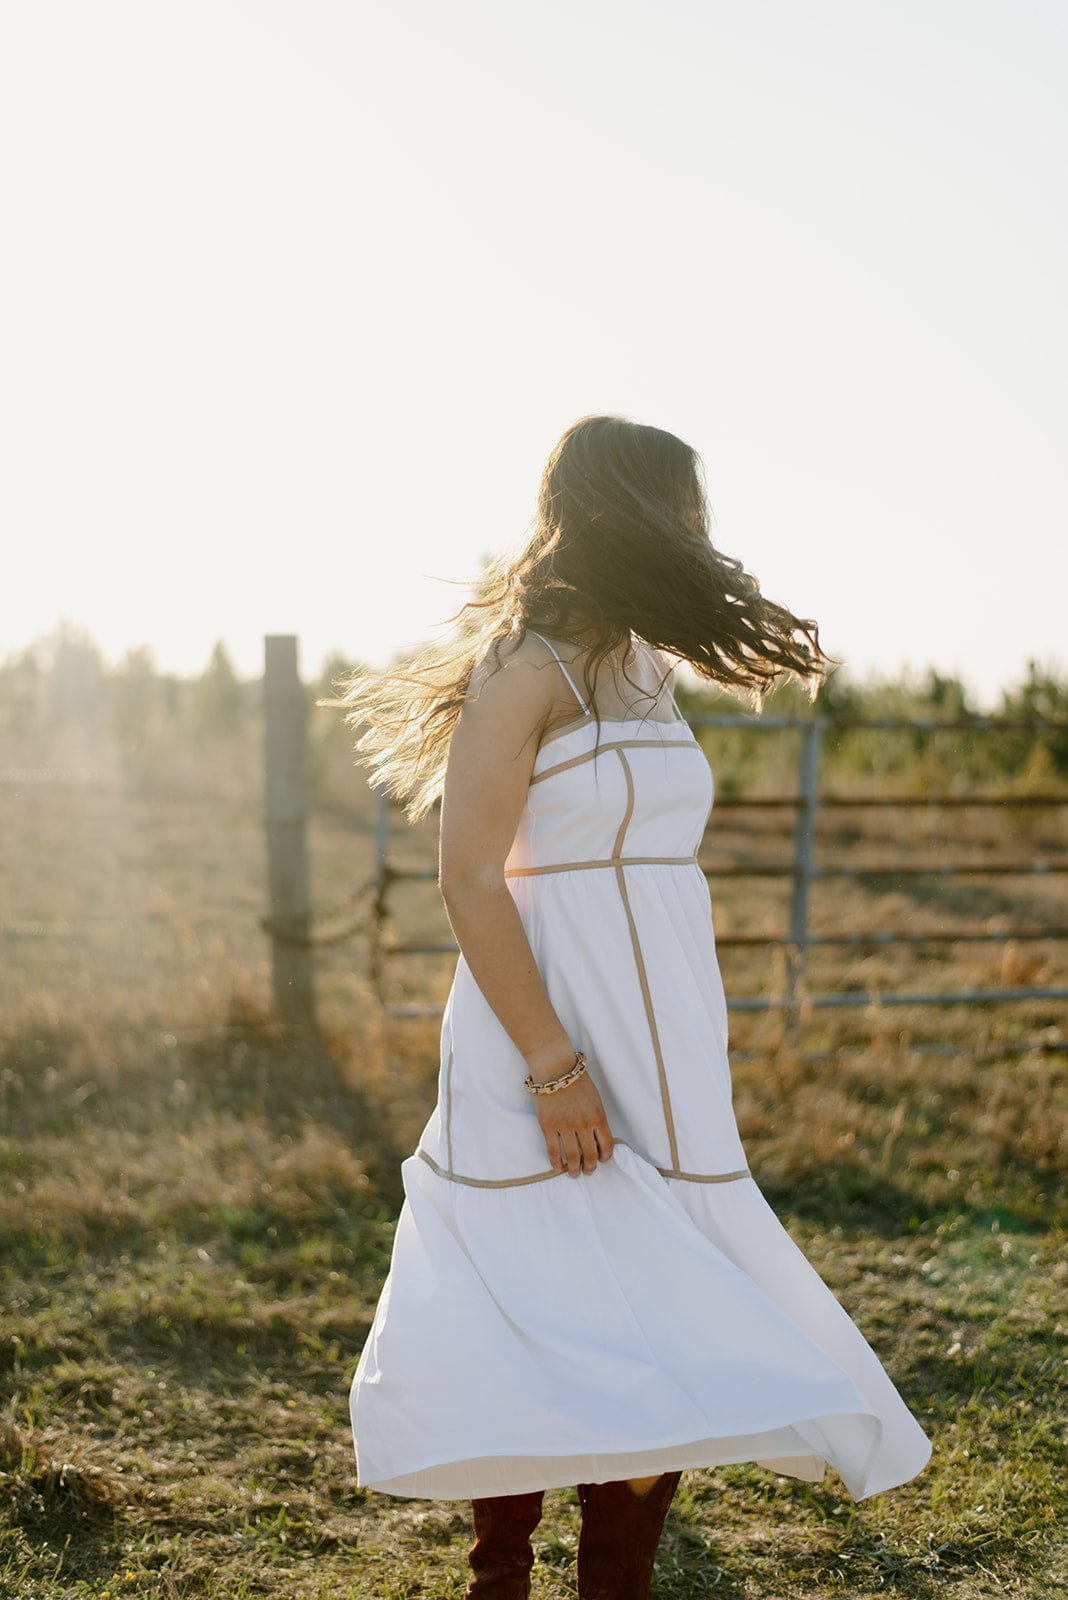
630, 787
640, 788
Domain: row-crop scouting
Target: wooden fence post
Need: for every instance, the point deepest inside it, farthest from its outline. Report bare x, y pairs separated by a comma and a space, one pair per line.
285, 809
377, 919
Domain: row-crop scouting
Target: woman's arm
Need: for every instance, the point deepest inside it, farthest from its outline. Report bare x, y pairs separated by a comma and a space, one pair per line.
491, 758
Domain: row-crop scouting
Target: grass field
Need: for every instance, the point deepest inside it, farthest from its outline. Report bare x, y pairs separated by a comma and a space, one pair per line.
197, 1210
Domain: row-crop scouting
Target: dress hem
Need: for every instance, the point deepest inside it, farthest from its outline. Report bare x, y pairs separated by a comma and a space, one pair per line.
780, 1449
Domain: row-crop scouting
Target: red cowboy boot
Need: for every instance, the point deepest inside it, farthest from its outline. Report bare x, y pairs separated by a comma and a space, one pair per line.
501, 1556
619, 1537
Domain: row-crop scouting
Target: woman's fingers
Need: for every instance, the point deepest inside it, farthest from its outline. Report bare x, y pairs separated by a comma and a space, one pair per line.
566, 1152
578, 1141
580, 1151
587, 1150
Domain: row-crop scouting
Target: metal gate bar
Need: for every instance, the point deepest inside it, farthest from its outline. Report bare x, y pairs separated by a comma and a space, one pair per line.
804, 872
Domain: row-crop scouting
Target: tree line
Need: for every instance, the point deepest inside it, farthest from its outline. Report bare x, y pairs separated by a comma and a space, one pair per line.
62, 681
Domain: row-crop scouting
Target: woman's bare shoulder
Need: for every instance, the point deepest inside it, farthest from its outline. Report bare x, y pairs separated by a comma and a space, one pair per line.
508, 691
520, 665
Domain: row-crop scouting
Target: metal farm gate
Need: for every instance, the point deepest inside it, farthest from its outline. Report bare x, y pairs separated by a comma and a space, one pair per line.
796, 940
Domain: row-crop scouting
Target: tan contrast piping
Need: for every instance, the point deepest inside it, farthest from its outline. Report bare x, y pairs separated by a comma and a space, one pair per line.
587, 716
539, 1177
566, 727
704, 1177
643, 977
587, 713
614, 744
485, 1183
605, 861
617, 848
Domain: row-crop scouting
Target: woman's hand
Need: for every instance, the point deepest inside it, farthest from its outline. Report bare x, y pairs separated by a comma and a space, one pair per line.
573, 1121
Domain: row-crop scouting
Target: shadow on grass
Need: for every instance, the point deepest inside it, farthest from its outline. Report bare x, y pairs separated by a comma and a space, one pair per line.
951, 1383
249, 1155
62, 1504
864, 1197
859, 1558
691, 1563
61, 1082
863, 1563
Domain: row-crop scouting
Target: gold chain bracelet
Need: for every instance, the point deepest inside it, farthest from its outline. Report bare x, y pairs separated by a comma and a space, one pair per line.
552, 1084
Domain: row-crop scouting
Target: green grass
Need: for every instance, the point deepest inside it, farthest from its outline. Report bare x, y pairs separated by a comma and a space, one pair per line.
197, 1211
187, 1289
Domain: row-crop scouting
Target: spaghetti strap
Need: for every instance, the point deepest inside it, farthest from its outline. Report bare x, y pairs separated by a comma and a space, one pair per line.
563, 669
657, 660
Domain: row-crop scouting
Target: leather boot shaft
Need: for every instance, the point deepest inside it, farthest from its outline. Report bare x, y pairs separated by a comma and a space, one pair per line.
502, 1556
619, 1537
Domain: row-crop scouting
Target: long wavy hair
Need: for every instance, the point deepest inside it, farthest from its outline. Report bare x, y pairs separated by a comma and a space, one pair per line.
620, 544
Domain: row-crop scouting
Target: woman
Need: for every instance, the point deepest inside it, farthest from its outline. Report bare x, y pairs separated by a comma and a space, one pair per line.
648, 1313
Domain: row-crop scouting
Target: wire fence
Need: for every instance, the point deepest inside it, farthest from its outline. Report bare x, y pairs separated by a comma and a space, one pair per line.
803, 874
298, 926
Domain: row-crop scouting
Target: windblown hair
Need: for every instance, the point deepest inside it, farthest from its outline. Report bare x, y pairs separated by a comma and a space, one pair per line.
620, 544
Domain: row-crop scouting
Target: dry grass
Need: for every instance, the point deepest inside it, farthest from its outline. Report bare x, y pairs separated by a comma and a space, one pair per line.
197, 1209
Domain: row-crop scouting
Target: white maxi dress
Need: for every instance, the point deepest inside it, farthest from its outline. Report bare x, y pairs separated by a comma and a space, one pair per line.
537, 1330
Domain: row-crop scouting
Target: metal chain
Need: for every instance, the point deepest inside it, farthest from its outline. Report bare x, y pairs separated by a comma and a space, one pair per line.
296, 933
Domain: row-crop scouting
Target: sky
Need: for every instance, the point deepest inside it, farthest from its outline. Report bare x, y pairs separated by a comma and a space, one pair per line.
296, 297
